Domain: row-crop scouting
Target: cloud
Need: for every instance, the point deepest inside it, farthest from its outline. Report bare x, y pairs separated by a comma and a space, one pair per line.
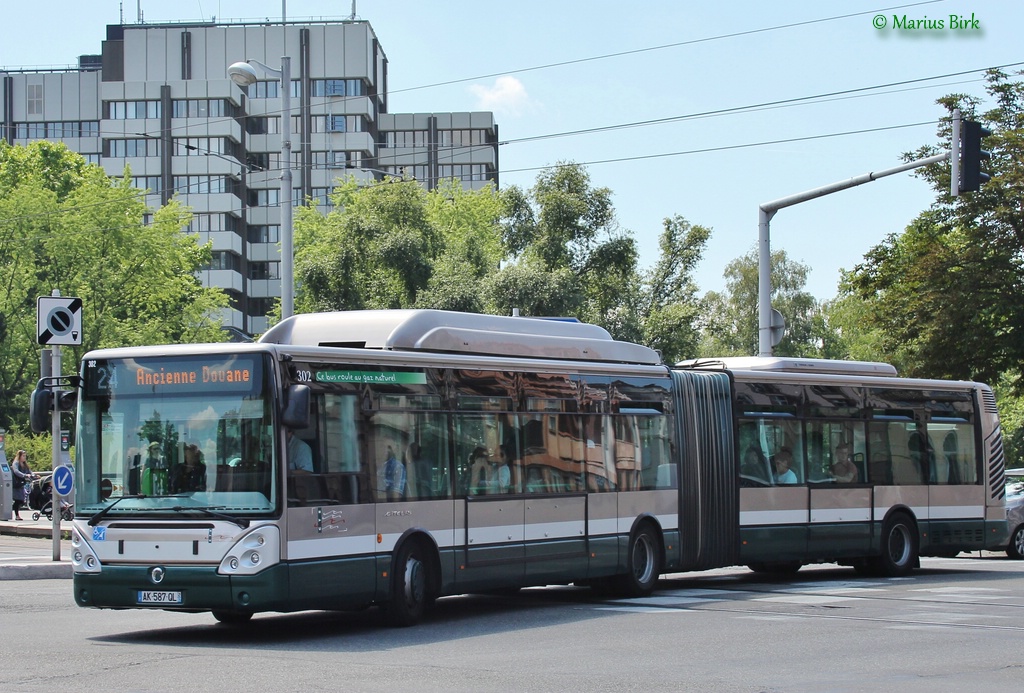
508, 97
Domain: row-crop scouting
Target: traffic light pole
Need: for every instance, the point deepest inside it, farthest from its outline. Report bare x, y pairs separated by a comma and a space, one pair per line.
764, 260
954, 157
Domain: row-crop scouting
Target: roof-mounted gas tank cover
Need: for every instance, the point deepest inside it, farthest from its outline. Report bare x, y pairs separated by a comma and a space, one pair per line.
452, 332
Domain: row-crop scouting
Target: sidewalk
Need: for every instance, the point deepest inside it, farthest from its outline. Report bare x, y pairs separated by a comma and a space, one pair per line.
26, 550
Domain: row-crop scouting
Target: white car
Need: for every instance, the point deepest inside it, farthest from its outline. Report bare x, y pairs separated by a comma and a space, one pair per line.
1015, 512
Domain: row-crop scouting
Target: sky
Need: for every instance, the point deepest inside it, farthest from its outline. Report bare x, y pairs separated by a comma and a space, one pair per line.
729, 105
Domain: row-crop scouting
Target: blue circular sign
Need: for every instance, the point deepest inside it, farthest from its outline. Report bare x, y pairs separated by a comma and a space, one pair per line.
63, 480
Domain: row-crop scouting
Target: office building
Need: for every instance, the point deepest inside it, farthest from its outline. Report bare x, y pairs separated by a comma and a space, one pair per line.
158, 99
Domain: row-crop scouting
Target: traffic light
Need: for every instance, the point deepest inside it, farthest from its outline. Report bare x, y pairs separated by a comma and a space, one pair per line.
41, 405
972, 156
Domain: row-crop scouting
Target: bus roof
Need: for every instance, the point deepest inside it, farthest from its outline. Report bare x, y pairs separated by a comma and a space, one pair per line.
776, 364
452, 332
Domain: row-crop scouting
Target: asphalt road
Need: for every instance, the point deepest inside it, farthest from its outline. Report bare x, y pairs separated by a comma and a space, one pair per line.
956, 625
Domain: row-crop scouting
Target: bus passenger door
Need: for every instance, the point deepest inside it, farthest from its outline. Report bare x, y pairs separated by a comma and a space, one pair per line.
773, 524
493, 542
490, 535
840, 521
556, 497
555, 537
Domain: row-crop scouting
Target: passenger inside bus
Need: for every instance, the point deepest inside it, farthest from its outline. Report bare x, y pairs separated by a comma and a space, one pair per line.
844, 471
500, 472
190, 476
783, 460
755, 465
391, 482
300, 455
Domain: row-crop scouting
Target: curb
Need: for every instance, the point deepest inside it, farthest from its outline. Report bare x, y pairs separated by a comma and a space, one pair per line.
39, 565
43, 571
28, 531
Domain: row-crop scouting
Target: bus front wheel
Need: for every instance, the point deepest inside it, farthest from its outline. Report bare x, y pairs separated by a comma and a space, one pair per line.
410, 586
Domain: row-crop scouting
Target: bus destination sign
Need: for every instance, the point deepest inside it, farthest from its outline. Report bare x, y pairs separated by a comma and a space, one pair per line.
172, 375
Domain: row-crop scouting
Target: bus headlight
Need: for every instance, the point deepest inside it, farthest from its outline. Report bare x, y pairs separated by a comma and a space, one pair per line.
255, 551
83, 559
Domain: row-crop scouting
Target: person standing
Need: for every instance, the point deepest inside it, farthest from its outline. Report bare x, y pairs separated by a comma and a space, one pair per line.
392, 480
21, 481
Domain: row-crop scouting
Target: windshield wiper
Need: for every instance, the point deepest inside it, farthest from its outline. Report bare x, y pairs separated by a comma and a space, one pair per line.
100, 515
210, 512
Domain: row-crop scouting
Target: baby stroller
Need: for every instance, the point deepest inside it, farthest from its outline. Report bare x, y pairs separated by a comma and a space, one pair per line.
40, 500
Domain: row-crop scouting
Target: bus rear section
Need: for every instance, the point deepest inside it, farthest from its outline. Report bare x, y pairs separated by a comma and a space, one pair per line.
846, 462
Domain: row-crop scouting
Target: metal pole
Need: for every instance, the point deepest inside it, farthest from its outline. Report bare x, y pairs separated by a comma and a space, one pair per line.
954, 156
768, 210
764, 283
287, 258
55, 449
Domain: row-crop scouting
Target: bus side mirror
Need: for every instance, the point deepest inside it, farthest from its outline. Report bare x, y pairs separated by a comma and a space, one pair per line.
296, 408
40, 409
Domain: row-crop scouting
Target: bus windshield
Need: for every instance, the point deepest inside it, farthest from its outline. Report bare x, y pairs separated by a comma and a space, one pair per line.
182, 435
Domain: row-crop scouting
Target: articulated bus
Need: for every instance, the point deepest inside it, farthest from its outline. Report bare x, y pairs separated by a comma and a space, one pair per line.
393, 457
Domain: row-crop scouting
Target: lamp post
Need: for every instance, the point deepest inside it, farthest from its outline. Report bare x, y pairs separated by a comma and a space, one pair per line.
244, 74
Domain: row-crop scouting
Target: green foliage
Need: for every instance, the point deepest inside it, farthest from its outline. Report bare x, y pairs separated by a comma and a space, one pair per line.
946, 296
64, 226
556, 250
672, 306
1011, 416
846, 330
38, 446
391, 244
731, 318
569, 257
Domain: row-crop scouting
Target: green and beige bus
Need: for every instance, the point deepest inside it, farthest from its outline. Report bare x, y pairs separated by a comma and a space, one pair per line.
393, 457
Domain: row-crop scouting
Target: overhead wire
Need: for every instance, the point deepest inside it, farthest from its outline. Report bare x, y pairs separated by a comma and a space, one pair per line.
385, 159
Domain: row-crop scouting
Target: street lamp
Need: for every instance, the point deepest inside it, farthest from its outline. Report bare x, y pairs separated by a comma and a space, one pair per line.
244, 74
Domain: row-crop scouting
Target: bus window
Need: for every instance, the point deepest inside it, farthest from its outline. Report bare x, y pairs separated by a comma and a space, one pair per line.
655, 461
597, 460
835, 452
761, 439
952, 457
897, 451
553, 447
487, 454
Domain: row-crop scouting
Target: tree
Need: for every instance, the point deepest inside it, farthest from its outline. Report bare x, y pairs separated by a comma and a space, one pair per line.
845, 327
731, 321
947, 294
65, 226
567, 228
668, 306
392, 244
556, 250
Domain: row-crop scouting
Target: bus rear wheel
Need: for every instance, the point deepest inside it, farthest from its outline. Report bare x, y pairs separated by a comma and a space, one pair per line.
899, 547
643, 564
410, 586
